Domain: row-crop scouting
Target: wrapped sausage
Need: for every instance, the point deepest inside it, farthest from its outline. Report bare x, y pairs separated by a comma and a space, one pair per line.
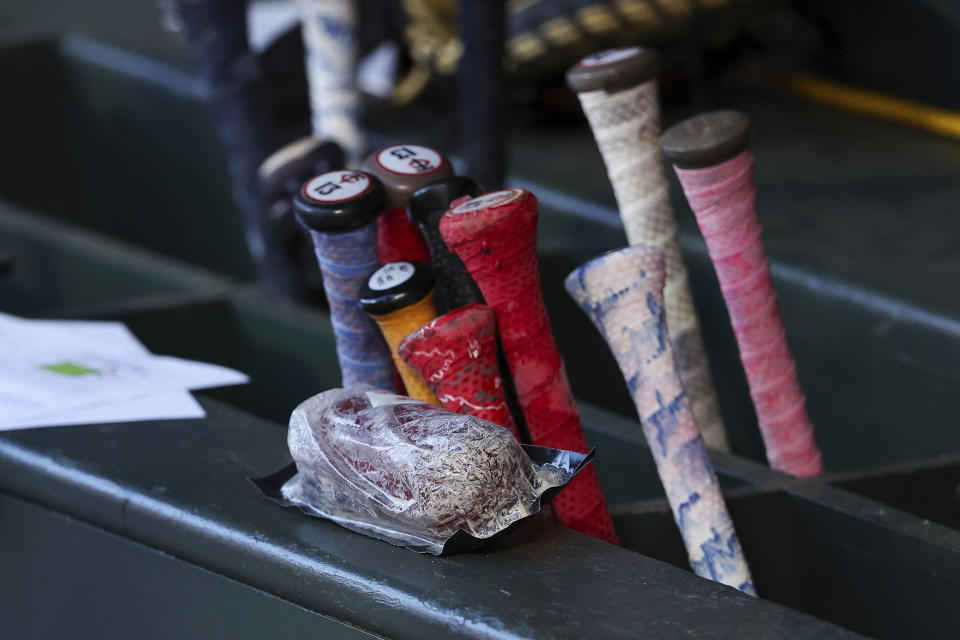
412, 473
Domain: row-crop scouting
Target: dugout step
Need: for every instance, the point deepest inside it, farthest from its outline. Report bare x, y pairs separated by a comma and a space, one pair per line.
179, 489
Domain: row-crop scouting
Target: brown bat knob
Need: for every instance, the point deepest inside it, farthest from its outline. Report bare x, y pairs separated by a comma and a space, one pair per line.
404, 168
706, 140
614, 70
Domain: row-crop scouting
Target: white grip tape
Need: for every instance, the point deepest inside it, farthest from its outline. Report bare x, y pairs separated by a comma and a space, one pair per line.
329, 37
626, 126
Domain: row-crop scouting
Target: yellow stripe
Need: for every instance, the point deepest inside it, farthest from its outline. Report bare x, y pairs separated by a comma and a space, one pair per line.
875, 104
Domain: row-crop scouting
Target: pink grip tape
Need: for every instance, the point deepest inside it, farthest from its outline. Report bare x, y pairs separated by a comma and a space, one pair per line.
723, 199
495, 237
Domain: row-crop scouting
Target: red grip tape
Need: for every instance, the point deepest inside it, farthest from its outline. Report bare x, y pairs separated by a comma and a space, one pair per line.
456, 355
399, 240
495, 237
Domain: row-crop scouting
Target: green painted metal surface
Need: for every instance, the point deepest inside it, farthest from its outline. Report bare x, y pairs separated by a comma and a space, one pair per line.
66, 269
180, 487
66, 578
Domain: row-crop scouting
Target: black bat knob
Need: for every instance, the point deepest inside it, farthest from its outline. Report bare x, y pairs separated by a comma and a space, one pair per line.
339, 201
396, 285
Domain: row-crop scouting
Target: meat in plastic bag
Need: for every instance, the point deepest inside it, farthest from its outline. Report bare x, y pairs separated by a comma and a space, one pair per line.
412, 473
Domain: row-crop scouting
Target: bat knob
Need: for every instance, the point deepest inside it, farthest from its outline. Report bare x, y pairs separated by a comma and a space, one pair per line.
284, 171
614, 70
429, 202
706, 140
339, 201
404, 168
396, 285
485, 213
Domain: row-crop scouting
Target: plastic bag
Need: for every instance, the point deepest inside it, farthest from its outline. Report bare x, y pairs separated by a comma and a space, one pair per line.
412, 473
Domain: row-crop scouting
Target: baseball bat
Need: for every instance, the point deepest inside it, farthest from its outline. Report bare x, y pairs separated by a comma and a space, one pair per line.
330, 42
711, 157
217, 32
339, 208
456, 355
399, 297
618, 92
622, 292
495, 237
425, 207
403, 168
457, 288
280, 176
285, 170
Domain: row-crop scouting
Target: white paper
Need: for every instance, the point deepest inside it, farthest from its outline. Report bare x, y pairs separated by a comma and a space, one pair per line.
67, 372
167, 405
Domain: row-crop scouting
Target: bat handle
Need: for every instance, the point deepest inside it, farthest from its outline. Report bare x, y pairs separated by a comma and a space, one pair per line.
346, 259
617, 89
456, 355
622, 294
425, 208
398, 240
715, 167
339, 209
495, 237
457, 288
330, 43
399, 297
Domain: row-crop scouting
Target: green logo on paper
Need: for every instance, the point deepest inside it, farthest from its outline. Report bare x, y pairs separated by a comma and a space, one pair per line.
69, 369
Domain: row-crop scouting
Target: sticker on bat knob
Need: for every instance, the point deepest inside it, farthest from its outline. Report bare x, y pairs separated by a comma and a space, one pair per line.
489, 200
610, 56
409, 159
336, 186
390, 275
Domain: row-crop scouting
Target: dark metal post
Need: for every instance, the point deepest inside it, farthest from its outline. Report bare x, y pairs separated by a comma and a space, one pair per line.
482, 24
217, 32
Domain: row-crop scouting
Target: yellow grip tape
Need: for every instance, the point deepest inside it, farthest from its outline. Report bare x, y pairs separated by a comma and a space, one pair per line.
396, 326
